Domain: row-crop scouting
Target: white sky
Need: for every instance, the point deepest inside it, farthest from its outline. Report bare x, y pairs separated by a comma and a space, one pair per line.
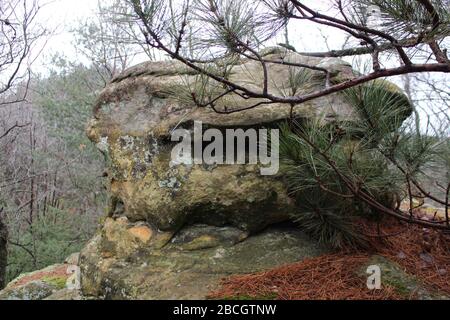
61, 16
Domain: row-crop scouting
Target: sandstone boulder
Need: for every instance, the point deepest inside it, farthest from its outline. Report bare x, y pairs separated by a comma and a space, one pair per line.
174, 230
133, 121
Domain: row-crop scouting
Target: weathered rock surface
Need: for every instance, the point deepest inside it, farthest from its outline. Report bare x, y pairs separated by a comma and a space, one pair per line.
174, 230
136, 113
405, 284
35, 290
119, 265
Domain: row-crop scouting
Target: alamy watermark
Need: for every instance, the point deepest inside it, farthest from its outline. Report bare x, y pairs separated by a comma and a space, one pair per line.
374, 279
227, 147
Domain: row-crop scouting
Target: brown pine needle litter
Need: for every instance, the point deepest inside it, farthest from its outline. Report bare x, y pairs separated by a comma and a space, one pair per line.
328, 277
420, 252
423, 253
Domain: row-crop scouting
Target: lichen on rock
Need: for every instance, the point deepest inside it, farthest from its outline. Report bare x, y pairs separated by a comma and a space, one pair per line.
49, 282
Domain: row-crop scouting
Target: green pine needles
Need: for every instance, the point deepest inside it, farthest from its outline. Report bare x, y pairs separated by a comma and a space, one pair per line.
327, 167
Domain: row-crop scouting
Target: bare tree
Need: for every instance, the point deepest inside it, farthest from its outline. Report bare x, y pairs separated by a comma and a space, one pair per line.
19, 44
3, 250
108, 44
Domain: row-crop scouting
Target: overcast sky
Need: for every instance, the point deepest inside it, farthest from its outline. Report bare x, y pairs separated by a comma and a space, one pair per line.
61, 16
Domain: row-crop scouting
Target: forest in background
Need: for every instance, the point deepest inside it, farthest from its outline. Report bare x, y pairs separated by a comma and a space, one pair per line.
53, 193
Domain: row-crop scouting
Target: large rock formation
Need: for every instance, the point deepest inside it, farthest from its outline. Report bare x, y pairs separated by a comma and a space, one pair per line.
134, 117
174, 230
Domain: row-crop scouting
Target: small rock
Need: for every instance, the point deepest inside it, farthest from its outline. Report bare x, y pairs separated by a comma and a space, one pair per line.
219, 253
442, 272
122, 220
143, 233
35, 290
73, 259
427, 258
65, 294
74, 281
71, 269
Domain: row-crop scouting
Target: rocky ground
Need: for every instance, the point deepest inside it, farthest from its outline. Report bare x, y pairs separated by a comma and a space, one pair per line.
57, 282
207, 270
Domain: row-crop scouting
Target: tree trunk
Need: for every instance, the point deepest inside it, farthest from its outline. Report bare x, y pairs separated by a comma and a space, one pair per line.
3, 253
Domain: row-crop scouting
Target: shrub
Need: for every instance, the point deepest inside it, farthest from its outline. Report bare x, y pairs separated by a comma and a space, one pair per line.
328, 167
